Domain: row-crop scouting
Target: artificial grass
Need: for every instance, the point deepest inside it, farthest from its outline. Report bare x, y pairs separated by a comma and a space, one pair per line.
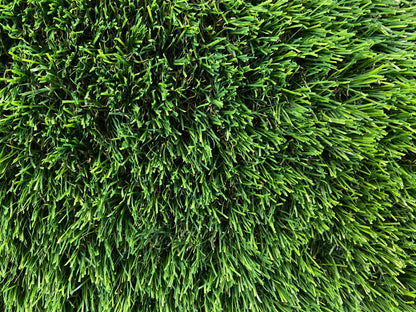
207, 155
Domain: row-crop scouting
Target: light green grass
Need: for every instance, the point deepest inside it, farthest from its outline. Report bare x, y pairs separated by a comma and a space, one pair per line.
207, 155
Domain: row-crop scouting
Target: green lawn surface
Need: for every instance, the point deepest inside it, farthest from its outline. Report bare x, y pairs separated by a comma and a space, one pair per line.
220, 155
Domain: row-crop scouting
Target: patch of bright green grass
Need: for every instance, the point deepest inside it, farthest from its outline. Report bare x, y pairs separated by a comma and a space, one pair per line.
207, 155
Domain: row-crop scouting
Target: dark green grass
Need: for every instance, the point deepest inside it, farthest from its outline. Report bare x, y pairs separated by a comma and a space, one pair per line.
207, 155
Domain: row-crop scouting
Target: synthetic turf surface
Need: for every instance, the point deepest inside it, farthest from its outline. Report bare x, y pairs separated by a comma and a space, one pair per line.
207, 155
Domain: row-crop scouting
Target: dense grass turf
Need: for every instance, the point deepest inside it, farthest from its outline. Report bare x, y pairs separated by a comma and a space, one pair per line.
207, 155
